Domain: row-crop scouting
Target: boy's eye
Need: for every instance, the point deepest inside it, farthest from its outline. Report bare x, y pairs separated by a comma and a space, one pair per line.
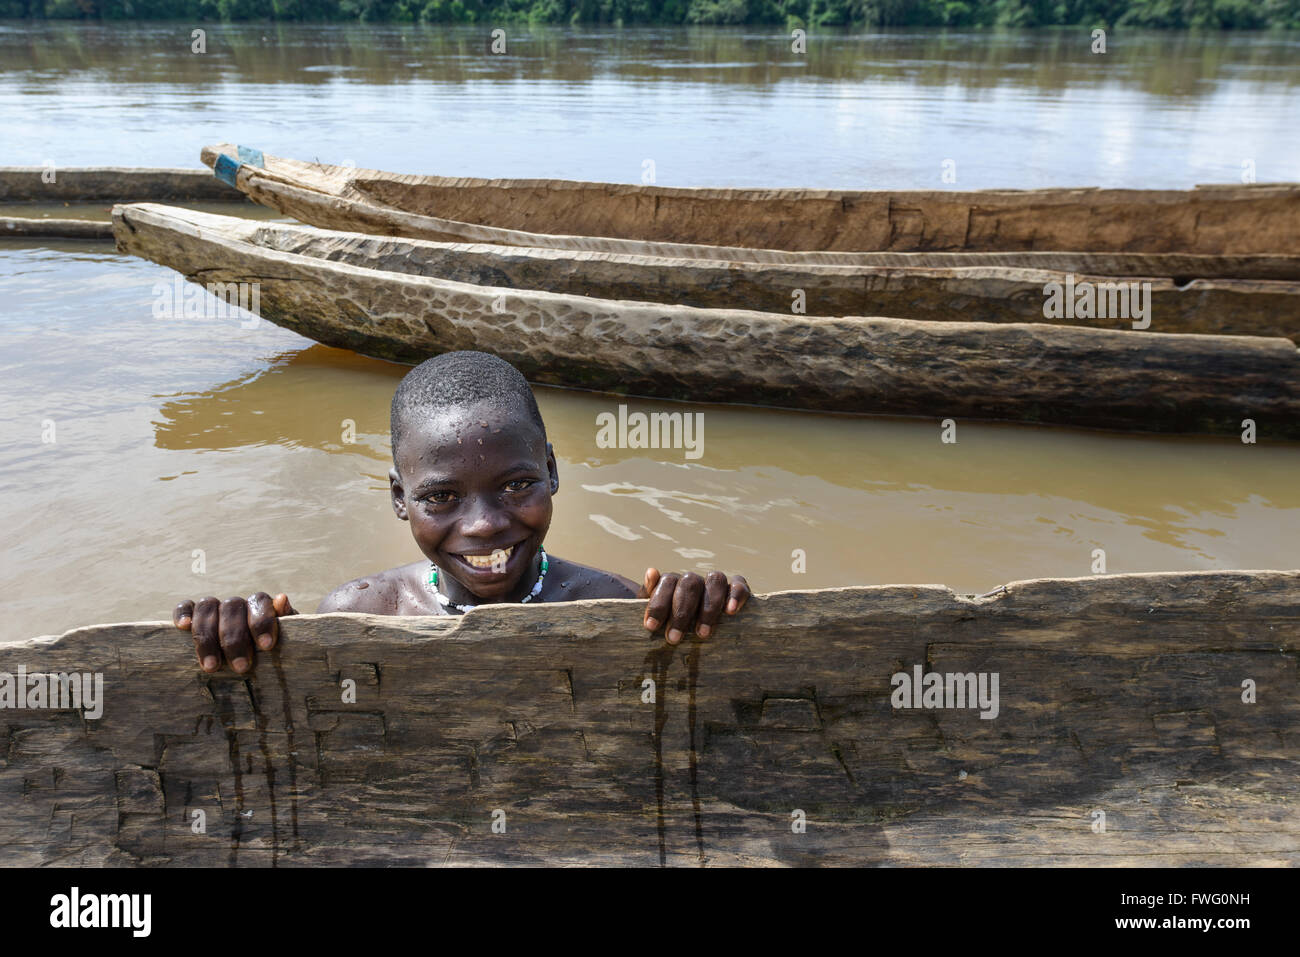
519, 485
440, 497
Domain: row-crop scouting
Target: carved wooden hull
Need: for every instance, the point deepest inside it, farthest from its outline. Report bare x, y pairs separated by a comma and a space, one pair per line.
1215, 220
1013, 371
1122, 736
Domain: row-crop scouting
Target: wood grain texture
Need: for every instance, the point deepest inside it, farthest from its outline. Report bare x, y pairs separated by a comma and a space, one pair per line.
1257, 218
114, 184
1120, 694
1013, 371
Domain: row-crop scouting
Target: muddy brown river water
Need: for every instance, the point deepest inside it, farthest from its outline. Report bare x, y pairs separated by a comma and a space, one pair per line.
195, 457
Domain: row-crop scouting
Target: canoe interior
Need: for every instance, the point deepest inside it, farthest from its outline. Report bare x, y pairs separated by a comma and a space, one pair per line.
1215, 220
970, 287
1119, 694
1178, 268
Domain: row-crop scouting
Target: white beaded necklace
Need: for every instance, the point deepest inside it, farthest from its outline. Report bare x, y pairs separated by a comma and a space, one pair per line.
446, 602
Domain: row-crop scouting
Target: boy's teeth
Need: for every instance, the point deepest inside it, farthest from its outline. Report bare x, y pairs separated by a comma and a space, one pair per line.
498, 557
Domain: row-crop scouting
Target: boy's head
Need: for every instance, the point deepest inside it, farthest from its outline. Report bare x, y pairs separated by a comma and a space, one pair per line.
473, 472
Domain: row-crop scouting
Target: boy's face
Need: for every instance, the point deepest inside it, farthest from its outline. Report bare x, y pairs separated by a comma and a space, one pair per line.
471, 481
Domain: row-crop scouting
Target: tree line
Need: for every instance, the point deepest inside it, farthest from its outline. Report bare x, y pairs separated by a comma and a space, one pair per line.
1159, 14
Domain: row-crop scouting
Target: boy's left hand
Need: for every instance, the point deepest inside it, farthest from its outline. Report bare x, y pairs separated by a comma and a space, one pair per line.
686, 602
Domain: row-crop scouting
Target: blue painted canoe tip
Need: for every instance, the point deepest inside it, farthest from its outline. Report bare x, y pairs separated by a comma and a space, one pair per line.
251, 156
226, 169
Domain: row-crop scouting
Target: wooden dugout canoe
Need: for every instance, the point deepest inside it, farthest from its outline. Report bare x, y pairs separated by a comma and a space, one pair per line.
112, 184
24, 185
1213, 220
1014, 371
972, 293
1121, 694
55, 228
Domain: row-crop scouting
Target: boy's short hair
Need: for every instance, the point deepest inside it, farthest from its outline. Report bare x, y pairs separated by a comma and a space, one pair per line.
457, 379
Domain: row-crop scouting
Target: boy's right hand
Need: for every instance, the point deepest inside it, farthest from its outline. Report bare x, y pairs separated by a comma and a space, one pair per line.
229, 629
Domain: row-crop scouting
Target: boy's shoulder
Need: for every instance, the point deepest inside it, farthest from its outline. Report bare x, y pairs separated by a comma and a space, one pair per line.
576, 582
397, 591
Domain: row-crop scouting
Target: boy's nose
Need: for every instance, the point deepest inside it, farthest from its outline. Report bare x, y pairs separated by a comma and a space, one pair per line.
483, 521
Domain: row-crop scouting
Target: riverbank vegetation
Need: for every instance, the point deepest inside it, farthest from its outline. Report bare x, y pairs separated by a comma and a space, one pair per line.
1170, 14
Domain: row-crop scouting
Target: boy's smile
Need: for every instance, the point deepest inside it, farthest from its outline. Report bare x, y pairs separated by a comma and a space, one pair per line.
496, 559
475, 482
501, 562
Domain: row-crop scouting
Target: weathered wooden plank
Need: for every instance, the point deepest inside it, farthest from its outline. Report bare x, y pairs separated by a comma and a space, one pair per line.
1257, 218
114, 184
1016, 371
1117, 694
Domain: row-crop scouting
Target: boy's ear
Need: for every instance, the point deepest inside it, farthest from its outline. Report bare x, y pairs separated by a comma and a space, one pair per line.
398, 494
551, 468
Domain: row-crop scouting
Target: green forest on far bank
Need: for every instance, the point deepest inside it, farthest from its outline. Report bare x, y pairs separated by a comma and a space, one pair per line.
1165, 14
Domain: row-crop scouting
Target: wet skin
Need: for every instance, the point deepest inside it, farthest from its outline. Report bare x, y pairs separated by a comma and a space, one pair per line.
472, 483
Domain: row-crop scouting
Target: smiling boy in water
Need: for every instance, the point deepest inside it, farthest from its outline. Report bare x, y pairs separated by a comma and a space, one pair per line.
473, 474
